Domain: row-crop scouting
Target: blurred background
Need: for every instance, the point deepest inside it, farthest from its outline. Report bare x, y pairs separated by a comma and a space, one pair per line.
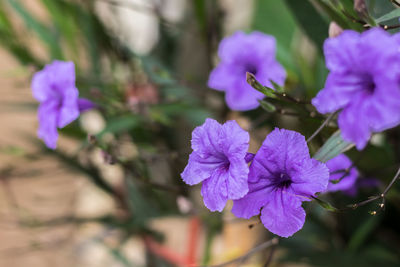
111, 194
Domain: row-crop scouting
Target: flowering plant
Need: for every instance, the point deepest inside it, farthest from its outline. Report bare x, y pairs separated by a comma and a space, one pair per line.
289, 127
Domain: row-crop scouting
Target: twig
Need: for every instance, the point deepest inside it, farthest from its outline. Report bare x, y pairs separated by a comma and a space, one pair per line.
381, 196
273, 242
290, 98
366, 25
270, 256
395, 3
328, 119
391, 183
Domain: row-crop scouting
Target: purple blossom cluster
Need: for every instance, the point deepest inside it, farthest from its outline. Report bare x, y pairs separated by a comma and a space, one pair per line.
54, 87
281, 176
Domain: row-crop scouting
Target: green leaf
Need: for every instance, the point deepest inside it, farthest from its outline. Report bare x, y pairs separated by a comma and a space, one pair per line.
391, 15
325, 205
335, 14
267, 106
120, 124
64, 22
157, 72
10, 40
334, 146
277, 87
362, 233
44, 32
119, 256
138, 204
311, 21
201, 11
273, 17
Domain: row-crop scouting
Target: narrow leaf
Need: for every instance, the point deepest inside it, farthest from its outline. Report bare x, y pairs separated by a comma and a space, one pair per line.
334, 146
120, 124
267, 106
44, 32
311, 21
325, 205
391, 15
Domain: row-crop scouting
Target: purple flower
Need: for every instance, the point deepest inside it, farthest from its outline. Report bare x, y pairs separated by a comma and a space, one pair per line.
241, 53
337, 167
54, 87
218, 160
363, 83
281, 176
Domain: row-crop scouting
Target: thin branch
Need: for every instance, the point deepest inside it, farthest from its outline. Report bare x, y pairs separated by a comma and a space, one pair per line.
270, 256
290, 98
395, 3
328, 119
391, 183
381, 196
273, 242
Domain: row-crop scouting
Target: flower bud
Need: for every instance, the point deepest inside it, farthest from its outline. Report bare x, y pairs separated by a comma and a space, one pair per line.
334, 29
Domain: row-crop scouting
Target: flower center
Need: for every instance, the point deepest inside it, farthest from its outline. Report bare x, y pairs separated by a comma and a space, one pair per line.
283, 180
368, 83
226, 165
251, 68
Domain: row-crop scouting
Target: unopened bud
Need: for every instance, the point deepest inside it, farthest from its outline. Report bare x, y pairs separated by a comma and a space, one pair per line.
334, 29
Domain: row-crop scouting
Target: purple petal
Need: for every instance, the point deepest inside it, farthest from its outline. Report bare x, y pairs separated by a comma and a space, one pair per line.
221, 77
339, 51
383, 110
50, 82
85, 104
205, 138
341, 162
41, 89
69, 110
250, 205
237, 180
48, 114
61, 74
234, 140
354, 125
338, 92
283, 214
242, 97
281, 151
312, 178
214, 191
200, 168
241, 45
